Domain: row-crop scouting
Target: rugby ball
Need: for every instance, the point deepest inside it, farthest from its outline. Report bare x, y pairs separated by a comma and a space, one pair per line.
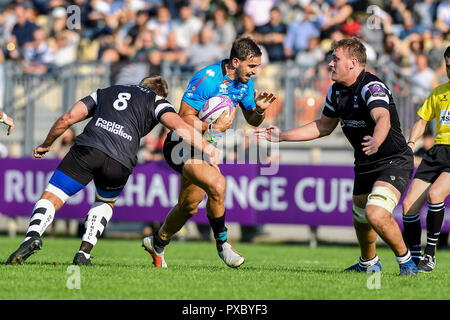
214, 107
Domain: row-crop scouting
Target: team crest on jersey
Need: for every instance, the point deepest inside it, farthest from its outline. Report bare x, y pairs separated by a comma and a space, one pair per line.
444, 97
376, 90
355, 104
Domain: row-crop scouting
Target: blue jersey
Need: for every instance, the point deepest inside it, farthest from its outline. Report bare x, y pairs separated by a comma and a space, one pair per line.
212, 81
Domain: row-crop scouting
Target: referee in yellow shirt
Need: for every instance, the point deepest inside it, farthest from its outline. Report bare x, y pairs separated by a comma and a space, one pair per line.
432, 180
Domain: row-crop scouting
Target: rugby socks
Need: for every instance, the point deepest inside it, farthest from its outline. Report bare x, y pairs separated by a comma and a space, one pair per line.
413, 231
96, 221
368, 263
404, 258
219, 229
435, 217
159, 243
42, 217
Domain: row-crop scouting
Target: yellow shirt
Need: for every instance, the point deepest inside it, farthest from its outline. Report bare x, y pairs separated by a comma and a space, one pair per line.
437, 106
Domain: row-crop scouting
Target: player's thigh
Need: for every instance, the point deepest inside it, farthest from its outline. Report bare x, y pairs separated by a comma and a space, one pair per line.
440, 189
416, 196
207, 177
190, 196
72, 174
110, 178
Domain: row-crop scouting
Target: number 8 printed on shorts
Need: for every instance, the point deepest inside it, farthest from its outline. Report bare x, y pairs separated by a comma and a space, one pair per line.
121, 103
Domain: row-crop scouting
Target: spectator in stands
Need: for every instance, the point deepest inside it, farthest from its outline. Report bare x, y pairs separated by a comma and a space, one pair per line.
162, 26
410, 26
424, 10
205, 52
436, 52
272, 35
336, 15
65, 47
310, 58
423, 80
224, 32
443, 16
247, 28
259, 10
146, 49
173, 52
38, 56
300, 31
188, 27
7, 22
24, 29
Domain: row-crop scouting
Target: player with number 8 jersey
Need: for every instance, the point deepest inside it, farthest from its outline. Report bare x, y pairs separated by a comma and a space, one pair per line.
106, 153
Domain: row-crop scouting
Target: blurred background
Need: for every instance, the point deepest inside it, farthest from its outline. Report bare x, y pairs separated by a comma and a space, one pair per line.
56, 52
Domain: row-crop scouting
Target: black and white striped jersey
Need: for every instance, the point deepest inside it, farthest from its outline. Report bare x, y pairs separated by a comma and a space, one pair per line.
352, 105
121, 116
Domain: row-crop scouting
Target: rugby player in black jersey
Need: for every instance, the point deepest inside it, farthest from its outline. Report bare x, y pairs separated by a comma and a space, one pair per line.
104, 152
364, 106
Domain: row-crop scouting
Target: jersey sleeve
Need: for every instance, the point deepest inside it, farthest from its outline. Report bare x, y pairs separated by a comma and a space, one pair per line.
162, 106
375, 94
90, 102
201, 87
248, 102
330, 107
426, 111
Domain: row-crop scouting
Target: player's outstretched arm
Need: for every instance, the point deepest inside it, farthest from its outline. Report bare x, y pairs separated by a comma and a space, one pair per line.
4, 118
416, 132
313, 130
77, 113
187, 132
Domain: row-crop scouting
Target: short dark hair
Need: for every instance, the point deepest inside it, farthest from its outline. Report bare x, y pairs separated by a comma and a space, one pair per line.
157, 84
447, 53
244, 47
353, 48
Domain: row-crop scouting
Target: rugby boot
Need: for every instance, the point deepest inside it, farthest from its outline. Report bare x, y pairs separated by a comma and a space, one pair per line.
26, 249
158, 257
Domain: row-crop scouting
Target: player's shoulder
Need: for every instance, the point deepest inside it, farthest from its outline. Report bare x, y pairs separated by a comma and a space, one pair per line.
441, 89
373, 85
212, 71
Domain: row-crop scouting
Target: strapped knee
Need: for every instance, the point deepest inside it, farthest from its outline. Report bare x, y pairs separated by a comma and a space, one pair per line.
383, 197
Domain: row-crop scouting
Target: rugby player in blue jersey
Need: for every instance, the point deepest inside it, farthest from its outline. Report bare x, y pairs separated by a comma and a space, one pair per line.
232, 78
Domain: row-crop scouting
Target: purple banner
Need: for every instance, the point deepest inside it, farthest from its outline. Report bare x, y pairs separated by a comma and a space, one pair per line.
297, 194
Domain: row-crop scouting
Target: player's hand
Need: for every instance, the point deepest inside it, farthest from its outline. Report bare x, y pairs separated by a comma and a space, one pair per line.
264, 100
225, 121
271, 133
370, 146
10, 123
40, 151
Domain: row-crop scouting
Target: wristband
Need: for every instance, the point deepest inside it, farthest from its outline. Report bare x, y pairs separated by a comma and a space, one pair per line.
411, 142
260, 113
4, 118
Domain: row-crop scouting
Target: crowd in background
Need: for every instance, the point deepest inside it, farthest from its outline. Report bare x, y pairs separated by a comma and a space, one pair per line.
46, 34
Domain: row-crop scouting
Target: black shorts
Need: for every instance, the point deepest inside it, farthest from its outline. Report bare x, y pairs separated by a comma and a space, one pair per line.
177, 152
83, 163
435, 161
396, 170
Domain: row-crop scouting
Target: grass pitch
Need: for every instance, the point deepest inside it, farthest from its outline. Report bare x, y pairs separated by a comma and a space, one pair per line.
123, 270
